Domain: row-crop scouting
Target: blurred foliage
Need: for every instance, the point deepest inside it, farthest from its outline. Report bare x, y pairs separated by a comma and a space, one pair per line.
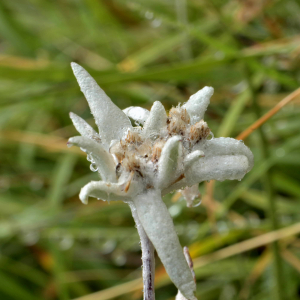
52, 246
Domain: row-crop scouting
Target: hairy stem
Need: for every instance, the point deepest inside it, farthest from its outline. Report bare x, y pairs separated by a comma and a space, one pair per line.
147, 257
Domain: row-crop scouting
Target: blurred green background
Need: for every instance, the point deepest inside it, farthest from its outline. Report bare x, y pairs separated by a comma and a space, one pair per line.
52, 246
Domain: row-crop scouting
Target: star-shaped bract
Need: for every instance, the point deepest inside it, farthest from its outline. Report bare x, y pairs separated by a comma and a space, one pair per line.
139, 164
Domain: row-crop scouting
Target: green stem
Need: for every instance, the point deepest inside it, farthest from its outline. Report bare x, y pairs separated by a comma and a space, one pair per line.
278, 267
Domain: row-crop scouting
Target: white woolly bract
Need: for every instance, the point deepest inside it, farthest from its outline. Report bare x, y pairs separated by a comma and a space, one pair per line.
137, 113
156, 122
84, 128
198, 103
103, 160
102, 107
227, 146
108, 191
169, 163
232, 167
140, 164
191, 158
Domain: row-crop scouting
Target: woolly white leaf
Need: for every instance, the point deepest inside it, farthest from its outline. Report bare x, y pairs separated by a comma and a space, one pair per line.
84, 128
103, 160
137, 113
227, 146
156, 122
232, 167
105, 191
159, 227
192, 158
169, 162
197, 104
111, 120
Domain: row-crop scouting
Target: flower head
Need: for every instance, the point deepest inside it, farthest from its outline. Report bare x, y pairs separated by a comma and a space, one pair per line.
139, 164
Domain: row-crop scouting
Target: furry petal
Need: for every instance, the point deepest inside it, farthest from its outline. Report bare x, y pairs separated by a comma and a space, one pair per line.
137, 113
192, 157
84, 128
103, 159
111, 120
227, 146
105, 191
169, 162
232, 167
197, 104
159, 227
156, 122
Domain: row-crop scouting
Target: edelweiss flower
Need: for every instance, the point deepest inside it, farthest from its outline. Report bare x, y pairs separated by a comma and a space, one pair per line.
139, 164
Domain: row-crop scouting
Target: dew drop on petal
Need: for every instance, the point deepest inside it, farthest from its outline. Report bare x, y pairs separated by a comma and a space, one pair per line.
210, 136
149, 15
192, 196
156, 23
93, 167
90, 158
66, 242
196, 202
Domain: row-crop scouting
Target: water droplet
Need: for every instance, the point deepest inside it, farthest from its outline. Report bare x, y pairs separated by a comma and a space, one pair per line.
108, 247
241, 141
90, 158
149, 15
30, 238
156, 23
210, 136
196, 202
66, 242
93, 167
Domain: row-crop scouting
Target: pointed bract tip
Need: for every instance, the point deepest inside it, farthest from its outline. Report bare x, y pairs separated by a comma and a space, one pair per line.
76, 68
83, 198
74, 65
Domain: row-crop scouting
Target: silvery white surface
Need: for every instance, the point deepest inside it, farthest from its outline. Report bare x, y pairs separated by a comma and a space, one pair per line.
137, 113
222, 167
169, 162
198, 103
179, 165
227, 146
156, 122
84, 128
155, 218
103, 160
102, 107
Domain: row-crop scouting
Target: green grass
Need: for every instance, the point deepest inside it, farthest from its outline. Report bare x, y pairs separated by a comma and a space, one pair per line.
52, 246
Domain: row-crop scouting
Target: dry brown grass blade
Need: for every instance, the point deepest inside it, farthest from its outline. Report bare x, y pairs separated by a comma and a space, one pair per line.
199, 262
292, 259
50, 143
262, 262
247, 245
268, 115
